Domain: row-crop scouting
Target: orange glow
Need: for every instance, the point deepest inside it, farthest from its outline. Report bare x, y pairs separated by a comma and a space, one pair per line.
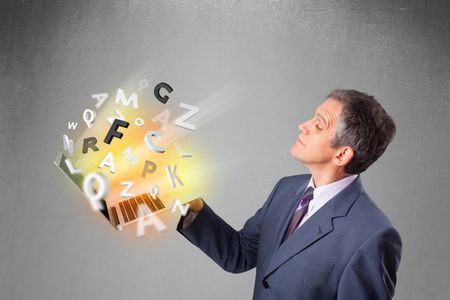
191, 170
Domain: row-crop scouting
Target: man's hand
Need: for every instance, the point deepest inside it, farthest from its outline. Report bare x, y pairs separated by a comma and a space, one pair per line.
196, 205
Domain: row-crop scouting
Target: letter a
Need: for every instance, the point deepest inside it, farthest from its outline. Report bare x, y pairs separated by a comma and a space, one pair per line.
149, 220
108, 161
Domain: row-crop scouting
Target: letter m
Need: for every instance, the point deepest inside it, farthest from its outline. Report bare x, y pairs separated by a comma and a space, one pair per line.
120, 97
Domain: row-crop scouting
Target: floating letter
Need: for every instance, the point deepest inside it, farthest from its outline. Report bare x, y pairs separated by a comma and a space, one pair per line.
149, 142
149, 220
89, 117
183, 209
163, 118
181, 152
139, 122
68, 144
72, 125
100, 99
128, 185
154, 191
113, 130
71, 168
119, 116
143, 84
120, 97
181, 120
127, 154
157, 93
101, 190
149, 167
108, 161
90, 143
173, 177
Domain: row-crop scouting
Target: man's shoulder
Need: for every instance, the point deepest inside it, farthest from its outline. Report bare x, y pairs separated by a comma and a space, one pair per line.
367, 212
363, 220
288, 185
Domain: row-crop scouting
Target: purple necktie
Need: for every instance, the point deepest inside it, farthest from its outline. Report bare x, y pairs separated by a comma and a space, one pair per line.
301, 210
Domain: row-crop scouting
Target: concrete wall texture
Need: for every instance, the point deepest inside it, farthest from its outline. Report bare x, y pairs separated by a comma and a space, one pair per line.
270, 63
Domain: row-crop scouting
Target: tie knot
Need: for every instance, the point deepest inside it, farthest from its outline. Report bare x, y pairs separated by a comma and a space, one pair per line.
308, 195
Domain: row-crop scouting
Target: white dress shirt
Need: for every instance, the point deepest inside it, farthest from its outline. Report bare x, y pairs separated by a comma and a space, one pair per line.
324, 193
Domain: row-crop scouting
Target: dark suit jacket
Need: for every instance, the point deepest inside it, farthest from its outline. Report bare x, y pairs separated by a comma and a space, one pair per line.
347, 250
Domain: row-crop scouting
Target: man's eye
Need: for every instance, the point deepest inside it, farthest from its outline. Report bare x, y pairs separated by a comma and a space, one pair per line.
318, 127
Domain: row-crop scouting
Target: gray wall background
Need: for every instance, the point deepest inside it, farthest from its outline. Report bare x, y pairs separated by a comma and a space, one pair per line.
281, 58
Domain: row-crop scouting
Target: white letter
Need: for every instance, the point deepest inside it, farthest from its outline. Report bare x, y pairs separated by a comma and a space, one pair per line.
173, 177
128, 185
120, 97
127, 154
149, 220
89, 117
72, 125
119, 116
100, 99
143, 84
102, 190
148, 141
108, 161
181, 120
68, 144
71, 168
138, 122
163, 118
181, 152
154, 191
183, 209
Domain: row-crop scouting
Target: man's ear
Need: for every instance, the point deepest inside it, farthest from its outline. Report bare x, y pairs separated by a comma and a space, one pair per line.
343, 156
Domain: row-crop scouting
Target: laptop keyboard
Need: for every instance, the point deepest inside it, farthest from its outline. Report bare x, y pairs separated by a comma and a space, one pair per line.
127, 211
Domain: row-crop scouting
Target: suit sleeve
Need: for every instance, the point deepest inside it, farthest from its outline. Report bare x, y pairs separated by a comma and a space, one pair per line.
234, 251
371, 271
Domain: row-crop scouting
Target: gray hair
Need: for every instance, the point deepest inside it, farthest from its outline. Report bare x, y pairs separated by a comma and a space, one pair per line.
364, 126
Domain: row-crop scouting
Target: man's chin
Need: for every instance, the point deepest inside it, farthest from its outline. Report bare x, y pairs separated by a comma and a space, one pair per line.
295, 154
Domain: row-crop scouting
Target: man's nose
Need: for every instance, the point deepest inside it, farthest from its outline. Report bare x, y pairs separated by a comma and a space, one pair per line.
303, 128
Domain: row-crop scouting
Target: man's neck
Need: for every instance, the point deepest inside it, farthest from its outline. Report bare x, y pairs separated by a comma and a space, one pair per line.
321, 177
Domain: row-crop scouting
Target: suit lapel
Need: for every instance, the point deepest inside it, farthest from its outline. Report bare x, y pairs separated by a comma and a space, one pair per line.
286, 214
319, 225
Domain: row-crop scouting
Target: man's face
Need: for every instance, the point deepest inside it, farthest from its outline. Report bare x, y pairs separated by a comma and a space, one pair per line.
313, 144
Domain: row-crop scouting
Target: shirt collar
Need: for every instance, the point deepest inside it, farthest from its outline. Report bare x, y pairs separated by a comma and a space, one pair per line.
330, 190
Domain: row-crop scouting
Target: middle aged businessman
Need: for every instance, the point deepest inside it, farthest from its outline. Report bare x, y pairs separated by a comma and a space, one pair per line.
319, 235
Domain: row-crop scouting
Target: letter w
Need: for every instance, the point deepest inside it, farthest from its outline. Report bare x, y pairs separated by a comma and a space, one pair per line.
72, 125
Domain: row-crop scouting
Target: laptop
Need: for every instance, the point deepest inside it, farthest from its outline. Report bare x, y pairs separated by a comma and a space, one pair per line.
119, 213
